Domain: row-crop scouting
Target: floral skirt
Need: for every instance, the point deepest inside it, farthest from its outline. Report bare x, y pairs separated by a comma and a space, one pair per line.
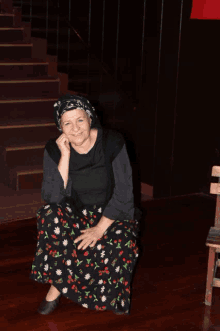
98, 277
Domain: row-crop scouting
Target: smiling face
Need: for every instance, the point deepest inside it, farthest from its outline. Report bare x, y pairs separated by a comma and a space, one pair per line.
76, 125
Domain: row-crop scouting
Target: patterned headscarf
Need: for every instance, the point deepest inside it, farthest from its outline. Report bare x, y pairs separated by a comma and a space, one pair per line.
70, 102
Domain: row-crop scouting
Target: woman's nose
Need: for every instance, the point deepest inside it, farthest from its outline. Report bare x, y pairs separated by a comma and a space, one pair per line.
75, 128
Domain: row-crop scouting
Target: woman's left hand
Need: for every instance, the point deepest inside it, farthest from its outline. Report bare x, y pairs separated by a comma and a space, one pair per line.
89, 237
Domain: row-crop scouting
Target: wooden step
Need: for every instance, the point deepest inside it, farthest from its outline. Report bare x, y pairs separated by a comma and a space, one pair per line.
24, 177
24, 157
29, 177
17, 110
28, 146
11, 34
6, 20
15, 51
30, 88
16, 205
17, 70
27, 136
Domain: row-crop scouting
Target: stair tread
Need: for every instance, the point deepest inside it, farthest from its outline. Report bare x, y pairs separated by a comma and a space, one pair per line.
31, 79
29, 145
17, 122
7, 14
2, 100
29, 168
29, 61
16, 43
4, 28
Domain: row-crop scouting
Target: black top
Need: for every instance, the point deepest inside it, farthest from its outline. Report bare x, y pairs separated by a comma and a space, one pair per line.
119, 200
89, 174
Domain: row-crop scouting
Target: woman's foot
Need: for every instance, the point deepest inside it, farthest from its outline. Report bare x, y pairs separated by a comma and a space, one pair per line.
51, 301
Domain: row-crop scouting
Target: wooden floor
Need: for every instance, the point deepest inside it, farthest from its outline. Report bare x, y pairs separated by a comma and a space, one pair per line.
168, 286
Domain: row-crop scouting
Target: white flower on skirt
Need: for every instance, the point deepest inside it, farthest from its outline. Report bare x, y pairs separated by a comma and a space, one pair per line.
117, 269
100, 210
56, 220
136, 255
69, 209
87, 276
47, 206
59, 272
99, 247
68, 262
103, 298
100, 281
57, 230
118, 231
77, 225
84, 212
70, 271
64, 290
106, 261
102, 289
65, 242
103, 254
38, 243
122, 303
85, 305
46, 267
45, 257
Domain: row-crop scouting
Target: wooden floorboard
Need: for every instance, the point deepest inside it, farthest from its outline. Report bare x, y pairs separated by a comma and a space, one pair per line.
168, 287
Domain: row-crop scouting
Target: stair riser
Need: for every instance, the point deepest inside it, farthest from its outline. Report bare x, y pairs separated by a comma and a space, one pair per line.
25, 71
28, 157
15, 52
26, 110
8, 36
6, 21
30, 181
30, 90
10, 137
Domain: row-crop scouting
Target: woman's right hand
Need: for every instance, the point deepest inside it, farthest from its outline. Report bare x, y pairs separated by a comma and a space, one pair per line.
63, 144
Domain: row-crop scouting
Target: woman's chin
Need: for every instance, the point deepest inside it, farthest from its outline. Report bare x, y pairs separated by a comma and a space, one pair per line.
77, 142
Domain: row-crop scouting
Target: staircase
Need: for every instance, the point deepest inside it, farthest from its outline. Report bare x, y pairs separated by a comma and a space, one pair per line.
29, 86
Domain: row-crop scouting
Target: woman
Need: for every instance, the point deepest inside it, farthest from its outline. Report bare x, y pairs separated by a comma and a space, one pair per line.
86, 244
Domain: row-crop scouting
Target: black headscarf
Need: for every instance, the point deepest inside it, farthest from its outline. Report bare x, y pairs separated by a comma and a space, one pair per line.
69, 102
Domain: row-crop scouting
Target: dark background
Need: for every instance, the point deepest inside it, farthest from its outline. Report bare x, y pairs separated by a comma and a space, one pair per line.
169, 115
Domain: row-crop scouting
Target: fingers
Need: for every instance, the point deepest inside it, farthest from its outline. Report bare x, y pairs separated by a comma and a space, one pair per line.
84, 244
63, 143
87, 239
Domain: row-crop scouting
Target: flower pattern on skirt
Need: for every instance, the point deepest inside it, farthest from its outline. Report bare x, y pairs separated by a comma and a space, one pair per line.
97, 278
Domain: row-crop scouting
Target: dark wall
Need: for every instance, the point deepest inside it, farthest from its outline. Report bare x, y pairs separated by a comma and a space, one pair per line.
185, 118
171, 135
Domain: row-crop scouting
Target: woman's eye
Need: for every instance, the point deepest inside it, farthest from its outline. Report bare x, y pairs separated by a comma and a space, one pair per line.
66, 123
80, 120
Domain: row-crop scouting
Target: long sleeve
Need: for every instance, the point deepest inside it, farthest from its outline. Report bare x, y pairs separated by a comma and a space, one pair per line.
53, 186
121, 204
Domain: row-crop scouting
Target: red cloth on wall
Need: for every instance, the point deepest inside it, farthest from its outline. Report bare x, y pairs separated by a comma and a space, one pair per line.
206, 9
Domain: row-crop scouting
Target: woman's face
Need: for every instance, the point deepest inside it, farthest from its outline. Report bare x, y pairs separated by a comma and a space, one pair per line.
76, 125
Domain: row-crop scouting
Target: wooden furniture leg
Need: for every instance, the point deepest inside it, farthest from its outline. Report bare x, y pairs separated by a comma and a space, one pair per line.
210, 276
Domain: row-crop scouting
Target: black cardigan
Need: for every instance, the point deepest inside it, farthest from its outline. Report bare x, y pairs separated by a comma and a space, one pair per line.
119, 202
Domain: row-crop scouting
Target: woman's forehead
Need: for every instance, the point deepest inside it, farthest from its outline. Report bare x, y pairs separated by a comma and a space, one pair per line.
75, 113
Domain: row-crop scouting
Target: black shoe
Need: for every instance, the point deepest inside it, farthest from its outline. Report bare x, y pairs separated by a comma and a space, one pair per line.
46, 307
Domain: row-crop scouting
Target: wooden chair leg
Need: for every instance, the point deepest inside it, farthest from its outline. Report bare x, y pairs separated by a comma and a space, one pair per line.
210, 276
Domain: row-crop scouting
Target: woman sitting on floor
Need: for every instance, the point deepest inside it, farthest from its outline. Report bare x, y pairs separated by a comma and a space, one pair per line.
86, 245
